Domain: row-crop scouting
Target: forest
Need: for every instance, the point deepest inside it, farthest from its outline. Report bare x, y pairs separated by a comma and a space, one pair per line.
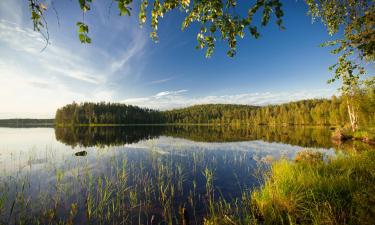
106, 113
332, 112
306, 112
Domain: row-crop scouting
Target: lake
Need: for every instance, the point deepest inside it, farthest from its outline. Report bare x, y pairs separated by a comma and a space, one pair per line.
139, 174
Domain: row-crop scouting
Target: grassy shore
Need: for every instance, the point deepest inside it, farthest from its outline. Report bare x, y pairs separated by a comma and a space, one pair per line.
364, 134
340, 191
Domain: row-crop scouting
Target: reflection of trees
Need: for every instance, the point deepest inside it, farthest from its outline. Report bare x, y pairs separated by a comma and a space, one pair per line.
111, 136
105, 136
353, 146
294, 135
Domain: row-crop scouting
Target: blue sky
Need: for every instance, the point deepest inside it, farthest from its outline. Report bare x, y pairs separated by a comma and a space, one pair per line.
124, 65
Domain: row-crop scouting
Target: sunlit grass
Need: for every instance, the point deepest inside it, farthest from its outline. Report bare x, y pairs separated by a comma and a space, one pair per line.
341, 191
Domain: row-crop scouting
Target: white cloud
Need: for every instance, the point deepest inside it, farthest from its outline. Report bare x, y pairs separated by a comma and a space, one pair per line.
35, 83
53, 60
168, 94
178, 99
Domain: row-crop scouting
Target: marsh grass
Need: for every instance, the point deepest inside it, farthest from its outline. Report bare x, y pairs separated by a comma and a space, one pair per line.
340, 191
128, 187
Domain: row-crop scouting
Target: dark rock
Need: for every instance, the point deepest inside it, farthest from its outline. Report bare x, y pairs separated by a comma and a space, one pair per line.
82, 153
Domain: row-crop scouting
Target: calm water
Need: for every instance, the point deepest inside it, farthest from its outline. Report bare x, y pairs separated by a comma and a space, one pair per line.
137, 174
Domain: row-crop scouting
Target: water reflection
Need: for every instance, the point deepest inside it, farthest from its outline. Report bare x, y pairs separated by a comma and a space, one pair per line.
106, 136
318, 137
139, 174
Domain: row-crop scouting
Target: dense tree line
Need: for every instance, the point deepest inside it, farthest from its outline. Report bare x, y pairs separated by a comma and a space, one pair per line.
332, 111
306, 112
106, 113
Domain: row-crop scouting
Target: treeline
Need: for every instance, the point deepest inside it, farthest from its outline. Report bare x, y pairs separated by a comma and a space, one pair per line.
106, 113
306, 112
332, 112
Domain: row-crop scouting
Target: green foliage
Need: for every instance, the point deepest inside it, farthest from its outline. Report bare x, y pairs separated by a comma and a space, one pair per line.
105, 113
85, 5
83, 31
306, 112
356, 18
37, 10
218, 19
123, 7
337, 192
359, 96
367, 135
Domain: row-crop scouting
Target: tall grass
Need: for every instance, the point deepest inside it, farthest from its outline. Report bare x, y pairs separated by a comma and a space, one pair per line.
340, 191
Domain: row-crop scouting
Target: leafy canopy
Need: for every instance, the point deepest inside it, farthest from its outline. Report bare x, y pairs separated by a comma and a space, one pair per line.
356, 19
220, 20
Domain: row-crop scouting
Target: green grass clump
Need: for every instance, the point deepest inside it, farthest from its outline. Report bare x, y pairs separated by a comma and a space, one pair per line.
367, 135
309, 156
341, 191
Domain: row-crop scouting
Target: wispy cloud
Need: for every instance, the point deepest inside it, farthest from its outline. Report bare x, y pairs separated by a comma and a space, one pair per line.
160, 81
39, 82
53, 60
136, 48
169, 94
179, 98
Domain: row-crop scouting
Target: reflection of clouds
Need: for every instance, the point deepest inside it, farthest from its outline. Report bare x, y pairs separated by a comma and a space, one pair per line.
40, 149
44, 166
261, 148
